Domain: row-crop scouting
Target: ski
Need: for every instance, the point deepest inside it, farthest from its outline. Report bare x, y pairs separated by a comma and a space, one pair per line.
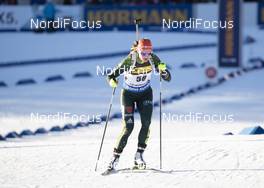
108, 172
135, 169
113, 171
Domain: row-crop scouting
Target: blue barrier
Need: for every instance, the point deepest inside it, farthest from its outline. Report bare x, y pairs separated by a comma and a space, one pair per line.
67, 127
221, 80
103, 118
190, 91
2, 138
82, 75
176, 97
207, 85
255, 60
245, 69
252, 130
188, 65
166, 101
26, 132
259, 66
228, 133
12, 134
26, 81
54, 78
3, 84
41, 131
252, 68
55, 129
200, 87
156, 104
249, 40
116, 115
182, 94
79, 125
231, 75
238, 72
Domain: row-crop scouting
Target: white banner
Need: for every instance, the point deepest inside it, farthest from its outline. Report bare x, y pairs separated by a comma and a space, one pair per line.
18, 17
14, 17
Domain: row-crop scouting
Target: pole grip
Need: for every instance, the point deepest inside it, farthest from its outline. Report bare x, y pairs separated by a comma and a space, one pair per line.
137, 20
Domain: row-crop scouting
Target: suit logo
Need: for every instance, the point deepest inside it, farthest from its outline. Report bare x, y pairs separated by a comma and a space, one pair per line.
129, 109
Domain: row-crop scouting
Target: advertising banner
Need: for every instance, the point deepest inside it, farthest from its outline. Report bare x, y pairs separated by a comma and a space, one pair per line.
261, 13
122, 17
230, 38
20, 17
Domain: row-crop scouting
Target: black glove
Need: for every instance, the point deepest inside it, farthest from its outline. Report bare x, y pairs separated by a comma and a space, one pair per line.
165, 75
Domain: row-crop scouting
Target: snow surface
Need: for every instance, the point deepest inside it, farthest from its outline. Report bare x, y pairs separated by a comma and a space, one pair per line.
197, 152
68, 159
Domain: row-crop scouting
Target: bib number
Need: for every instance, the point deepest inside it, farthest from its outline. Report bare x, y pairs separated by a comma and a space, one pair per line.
141, 78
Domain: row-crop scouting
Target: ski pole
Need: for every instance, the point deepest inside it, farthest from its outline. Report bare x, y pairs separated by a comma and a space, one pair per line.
137, 22
106, 123
160, 101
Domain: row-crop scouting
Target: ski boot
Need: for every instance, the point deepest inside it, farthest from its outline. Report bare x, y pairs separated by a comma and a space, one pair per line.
139, 162
112, 165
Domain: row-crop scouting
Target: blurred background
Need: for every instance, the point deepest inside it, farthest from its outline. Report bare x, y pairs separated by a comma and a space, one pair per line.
62, 70
68, 2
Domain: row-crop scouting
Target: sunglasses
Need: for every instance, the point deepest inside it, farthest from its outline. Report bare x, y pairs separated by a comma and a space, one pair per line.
145, 54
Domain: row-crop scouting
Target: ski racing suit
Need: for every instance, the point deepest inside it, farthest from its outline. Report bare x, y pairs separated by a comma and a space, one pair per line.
136, 92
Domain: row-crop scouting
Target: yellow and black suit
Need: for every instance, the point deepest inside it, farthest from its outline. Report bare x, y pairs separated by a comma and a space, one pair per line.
136, 92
